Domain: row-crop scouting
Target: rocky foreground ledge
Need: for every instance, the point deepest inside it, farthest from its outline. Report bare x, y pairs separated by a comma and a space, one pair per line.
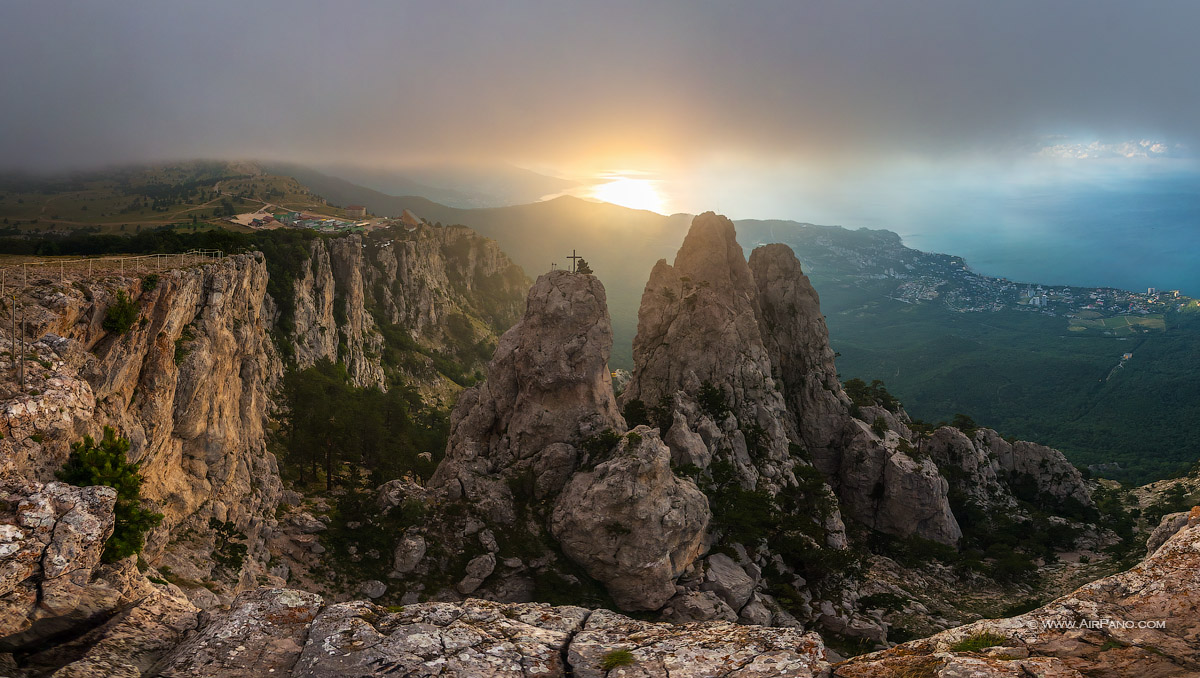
65, 614
284, 632
1142, 623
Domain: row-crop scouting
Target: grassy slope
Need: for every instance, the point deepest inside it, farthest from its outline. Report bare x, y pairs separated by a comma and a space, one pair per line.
129, 199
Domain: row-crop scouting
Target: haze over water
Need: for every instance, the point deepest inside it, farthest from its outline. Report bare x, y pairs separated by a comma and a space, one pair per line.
1130, 223
1144, 234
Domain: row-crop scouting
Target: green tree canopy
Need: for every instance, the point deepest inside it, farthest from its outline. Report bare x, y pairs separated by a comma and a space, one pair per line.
106, 464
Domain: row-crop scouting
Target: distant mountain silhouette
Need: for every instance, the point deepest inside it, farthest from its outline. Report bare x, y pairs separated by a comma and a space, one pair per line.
464, 185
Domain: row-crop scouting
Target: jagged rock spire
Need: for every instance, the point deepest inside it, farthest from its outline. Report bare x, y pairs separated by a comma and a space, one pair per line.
733, 360
548, 387
699, 353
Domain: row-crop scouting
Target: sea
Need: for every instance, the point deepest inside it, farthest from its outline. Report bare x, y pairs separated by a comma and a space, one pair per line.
1133, 234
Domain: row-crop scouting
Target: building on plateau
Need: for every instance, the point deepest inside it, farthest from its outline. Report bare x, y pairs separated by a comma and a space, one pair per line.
356, 211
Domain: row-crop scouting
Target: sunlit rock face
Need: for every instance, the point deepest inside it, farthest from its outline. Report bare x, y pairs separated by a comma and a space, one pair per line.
548, 388
733, 359
418, 282
189, 385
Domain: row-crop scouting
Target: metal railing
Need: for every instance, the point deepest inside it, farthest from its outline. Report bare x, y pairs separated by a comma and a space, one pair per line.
16, 277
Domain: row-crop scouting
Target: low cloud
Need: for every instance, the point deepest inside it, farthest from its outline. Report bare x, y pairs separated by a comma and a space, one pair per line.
584, 87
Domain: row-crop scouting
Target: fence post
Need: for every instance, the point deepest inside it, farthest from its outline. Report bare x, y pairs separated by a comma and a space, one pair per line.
21, 354
13, 310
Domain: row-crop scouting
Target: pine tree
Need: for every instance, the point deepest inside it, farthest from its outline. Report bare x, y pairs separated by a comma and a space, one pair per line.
121, 314
106, 464
582, 267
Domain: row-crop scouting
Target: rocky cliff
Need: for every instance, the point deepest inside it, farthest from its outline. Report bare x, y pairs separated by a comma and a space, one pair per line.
992, 471
548, 388
700, 355
291, 633
188, 384
331, 318
192, 381
738, 356
61, 605
536, 462
725, 494
798, 344
720, 500
400, 299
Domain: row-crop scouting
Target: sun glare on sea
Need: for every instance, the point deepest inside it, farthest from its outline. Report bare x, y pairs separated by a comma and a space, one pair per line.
638, 194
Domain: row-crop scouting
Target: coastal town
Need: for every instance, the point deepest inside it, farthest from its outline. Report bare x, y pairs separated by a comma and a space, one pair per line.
357, 220
879, 260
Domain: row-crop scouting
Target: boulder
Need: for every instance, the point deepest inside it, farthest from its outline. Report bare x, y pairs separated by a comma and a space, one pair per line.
631, 523
51, 540
728, 580
129, 643
397, 492
480, 568
756, 613
694, 650
1166, 528
262, 634
408, 554
305, 523
697, 606
372, 588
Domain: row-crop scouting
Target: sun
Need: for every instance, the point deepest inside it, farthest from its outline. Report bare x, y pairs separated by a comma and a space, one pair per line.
638, 194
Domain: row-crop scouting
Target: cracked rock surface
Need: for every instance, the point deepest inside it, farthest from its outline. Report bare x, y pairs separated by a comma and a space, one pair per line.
281, 632
51, 539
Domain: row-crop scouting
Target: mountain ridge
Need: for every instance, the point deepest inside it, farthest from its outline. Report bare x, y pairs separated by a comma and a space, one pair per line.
723, 576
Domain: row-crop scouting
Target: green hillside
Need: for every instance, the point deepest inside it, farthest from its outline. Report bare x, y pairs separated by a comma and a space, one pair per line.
127, 200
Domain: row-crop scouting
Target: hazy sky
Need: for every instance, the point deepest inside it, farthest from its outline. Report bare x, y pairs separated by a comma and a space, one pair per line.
700, 94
